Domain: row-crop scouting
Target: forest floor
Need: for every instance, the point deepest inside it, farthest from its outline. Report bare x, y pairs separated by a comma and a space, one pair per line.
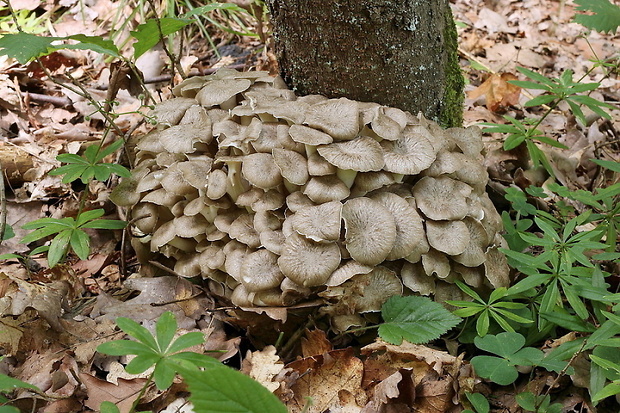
52, 319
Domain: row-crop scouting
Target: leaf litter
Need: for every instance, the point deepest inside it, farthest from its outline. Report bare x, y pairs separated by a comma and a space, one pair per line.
52, 321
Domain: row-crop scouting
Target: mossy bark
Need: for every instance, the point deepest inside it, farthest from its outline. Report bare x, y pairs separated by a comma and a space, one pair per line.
399, 53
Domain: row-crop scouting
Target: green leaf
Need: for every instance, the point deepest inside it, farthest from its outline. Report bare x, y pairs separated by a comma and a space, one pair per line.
137, 331
123, 348
527, 401
142, 363
8, 232
89, 216
570, 322
108, 407
606, 17
105, 224
210, 7
496, 369
608, 391
164, 374
611, 165
415, 319
165, 328
148, 34
94, 43
222, 390
25, 47
537, 77
479, 402
71, 158
186, 340
80, 243
504, 344
58, 247
8, 384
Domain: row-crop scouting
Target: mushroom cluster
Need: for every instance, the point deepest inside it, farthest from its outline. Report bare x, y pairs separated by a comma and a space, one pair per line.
276, 198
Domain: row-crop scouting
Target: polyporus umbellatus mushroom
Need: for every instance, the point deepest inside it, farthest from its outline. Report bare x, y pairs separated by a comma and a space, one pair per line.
276, 199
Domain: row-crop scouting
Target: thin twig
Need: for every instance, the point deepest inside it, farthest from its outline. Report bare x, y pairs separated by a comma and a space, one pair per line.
2, 205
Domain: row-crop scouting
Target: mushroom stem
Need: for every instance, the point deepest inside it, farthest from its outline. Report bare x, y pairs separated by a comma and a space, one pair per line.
310, 149
347, 176
290, 188
398, 178
235, 186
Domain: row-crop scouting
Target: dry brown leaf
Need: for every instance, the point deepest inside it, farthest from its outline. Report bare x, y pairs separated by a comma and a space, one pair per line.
315, 343
397, 391
498, 92
122, 395
263, 366
327, 379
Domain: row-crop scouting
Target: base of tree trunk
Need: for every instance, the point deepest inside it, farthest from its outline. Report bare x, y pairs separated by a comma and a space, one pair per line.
397, 53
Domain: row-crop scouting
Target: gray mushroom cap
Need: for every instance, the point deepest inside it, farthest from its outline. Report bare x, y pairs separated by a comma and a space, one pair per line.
293, 166
322, 189
451, 237
308, 263
260, 271
319, 223
442, 198
362, 154
409, 155
260, 170
337, 117
370, 230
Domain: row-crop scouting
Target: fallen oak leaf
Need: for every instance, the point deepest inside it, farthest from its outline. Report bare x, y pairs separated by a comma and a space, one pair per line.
499, 94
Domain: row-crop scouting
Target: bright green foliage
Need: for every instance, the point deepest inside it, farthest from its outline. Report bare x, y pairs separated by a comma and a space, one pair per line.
69, 233
221, 389
159, 350
537, 404
8, 232
493, 309
557, 90
148, 34
108, 407
606, 17
8, 384
478, 402
90, 166
25, 47
509, 347
415, 319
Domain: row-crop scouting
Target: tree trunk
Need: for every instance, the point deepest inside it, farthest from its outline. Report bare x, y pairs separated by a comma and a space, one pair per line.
399, 53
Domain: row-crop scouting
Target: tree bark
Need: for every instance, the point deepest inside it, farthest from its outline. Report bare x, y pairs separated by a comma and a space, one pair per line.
399, 53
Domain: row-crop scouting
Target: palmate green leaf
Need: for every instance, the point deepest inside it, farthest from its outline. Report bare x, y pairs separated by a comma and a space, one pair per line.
537, 77
496, 369
8, 384
611, 165
80, 243
71, 172
123, 348
164, 373
186, 340
110, 149
503, 344
606, 16
71, 158
59, 247
483, 323
142, 363
218, 390
86, 216
105, 224
165, 328
415, 319
137, 331
148, 34
42, 223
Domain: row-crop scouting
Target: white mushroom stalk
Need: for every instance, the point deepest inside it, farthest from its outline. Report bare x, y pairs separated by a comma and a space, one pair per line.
301, 198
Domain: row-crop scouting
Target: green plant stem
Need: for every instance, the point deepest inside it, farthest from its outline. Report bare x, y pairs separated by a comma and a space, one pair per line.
143, 390
174, 62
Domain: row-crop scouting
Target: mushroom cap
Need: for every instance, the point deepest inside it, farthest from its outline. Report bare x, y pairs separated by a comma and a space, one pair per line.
366, 182
309, 136
261, 170
308, 263
496, 268
219, 91
415, 278
375, 288
436, 264
322, 189
337, 117
318, 166
170, 112
386, 126
451, 237
174, 182
442, 198
242, 229
370, 230
361, 154
409, 228
216, 184
408, 155
319, 223
196, 172
260, 271
346, 271
293, 165
474, 254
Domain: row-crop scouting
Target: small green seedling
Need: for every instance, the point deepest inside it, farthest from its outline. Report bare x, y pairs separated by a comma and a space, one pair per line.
90, 166
69, 234
509, 347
